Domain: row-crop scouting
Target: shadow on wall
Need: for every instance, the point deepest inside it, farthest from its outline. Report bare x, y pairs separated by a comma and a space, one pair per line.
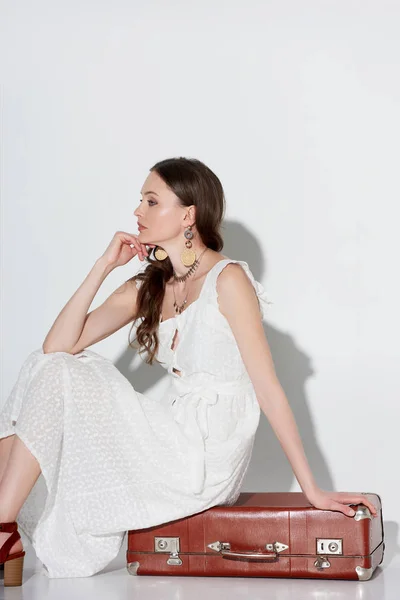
269, 469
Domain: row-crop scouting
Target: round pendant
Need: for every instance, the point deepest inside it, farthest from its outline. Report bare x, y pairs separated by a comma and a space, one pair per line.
188, 256
160, 253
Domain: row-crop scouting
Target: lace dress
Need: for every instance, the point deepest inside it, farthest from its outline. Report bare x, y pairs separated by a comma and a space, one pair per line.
112, 459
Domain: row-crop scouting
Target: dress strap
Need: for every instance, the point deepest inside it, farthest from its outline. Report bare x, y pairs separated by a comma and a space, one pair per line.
260, 291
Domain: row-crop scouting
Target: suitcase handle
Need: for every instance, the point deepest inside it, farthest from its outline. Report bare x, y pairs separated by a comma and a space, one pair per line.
224, 548
250, 554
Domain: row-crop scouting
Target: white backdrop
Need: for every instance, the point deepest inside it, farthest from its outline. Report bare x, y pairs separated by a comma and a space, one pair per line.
295, 106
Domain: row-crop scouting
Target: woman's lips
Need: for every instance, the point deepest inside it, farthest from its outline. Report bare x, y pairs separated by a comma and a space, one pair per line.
140, 227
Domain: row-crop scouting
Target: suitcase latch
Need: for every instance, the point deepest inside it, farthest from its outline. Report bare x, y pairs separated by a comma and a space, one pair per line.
329, 546
322, 563
171, 545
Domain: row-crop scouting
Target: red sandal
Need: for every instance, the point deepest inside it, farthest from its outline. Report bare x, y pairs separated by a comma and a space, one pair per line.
13, 563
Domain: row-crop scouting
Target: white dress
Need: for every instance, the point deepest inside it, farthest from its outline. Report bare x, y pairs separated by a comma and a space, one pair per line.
112, 459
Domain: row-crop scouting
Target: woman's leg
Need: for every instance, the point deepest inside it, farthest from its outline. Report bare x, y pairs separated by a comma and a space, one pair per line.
5, 449
19, 476
37, 402
18, 479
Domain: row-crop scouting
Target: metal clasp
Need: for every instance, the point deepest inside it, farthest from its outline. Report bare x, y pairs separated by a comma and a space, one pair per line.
171, 545
322, 563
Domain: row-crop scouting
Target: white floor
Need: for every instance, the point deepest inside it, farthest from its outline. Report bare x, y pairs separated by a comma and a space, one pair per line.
116, 583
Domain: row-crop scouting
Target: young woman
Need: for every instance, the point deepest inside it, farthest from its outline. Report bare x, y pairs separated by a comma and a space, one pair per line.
113, 459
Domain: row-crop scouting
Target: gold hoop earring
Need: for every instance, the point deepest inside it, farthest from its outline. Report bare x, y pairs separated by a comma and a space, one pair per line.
160, 253
188, 256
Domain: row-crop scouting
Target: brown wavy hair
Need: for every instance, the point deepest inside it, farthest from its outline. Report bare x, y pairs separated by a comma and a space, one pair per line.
194, 184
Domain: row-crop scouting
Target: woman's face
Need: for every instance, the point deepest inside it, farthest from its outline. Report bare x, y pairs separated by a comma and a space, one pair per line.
159, 211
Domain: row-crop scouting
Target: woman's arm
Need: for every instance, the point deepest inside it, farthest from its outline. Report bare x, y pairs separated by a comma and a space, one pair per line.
74, 329
67, 327
238, 303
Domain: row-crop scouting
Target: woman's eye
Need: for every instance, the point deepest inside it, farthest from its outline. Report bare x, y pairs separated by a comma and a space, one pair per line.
152, 201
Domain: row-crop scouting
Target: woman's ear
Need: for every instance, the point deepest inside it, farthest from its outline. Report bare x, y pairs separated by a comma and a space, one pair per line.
190, 216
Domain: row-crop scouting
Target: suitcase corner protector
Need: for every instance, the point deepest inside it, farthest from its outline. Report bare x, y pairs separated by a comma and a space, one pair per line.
363, 573
133, 567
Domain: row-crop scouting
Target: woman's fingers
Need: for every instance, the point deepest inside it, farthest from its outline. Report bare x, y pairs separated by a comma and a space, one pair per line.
361, 499
141, 248
346, 510
357, 499
137, 245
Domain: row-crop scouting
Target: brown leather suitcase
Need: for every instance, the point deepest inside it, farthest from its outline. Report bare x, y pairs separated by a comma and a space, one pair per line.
263, 535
